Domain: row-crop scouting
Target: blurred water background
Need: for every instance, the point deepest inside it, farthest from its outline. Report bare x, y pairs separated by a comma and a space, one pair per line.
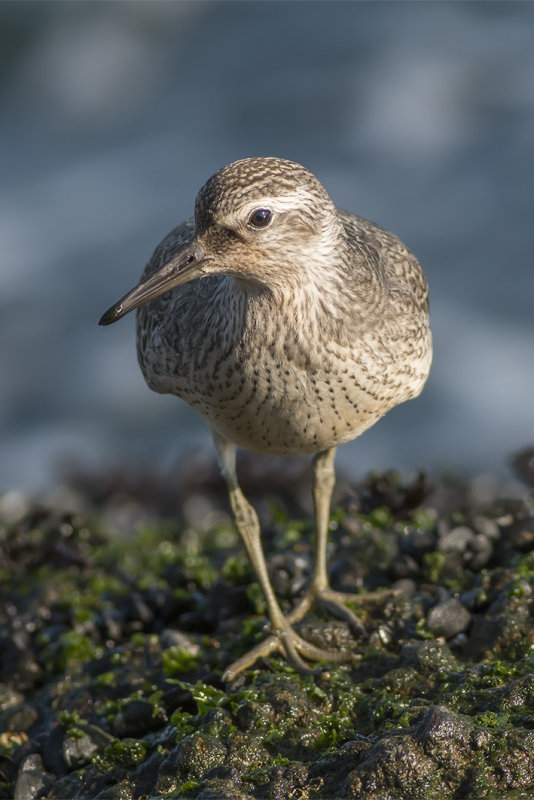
419, 116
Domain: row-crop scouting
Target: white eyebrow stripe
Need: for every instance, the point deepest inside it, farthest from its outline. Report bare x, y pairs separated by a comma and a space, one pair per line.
281, 202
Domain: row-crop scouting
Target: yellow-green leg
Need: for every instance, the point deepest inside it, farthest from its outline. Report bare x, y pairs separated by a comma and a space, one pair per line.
283, 637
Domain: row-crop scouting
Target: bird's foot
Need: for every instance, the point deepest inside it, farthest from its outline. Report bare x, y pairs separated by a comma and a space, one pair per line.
335, 602
287, 642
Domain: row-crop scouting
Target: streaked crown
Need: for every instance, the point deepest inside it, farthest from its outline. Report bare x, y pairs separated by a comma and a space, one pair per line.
254, 179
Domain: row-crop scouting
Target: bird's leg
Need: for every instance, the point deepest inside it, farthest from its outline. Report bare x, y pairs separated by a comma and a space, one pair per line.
283, 637
324, 479
319, 589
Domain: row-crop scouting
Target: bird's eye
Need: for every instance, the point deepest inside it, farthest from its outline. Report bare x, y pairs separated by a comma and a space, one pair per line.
260, 218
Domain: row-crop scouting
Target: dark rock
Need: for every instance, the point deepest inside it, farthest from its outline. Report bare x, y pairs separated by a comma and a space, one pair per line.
518, 693
146, 774
221, 789
509, 760
80, 745
110, 624
21, 717
289, 702
121, 790
9, 697
251, 716
195, 621
448, 618
407, 721
225, 600
246, 751
387, 489
138, 718
428, 657
331, 772
8, 769
331, 635
140, 610
523, 464
289, 574
223, 772
506, 626
175, 697
52, 749
472, 548
444, 734
33, 781
521, 534
416, 545
394, 761
405, 569
189, 760
484, 635
474, 599
17, 661
290, 781
216, 722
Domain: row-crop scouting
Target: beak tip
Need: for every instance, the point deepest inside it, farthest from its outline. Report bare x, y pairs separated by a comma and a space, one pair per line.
183, 267
111, 315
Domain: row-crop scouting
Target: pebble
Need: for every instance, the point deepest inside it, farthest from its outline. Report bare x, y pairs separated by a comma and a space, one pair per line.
137, 718
9, 697
448, 618
21, 717
33, 780
474, 549
170, 637
79, 747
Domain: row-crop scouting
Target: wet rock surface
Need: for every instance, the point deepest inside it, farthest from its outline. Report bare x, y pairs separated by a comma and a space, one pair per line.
122, 603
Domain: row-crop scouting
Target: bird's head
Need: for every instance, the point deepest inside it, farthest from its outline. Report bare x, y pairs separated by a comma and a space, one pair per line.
263, 221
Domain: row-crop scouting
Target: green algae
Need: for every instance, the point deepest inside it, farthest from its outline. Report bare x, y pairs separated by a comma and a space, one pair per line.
433, 564
122, 753
380, 517
177, 659
462, 720
69, 651
237, 569
205, 696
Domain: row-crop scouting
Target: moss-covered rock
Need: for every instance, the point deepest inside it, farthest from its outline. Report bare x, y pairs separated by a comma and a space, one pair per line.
112, 649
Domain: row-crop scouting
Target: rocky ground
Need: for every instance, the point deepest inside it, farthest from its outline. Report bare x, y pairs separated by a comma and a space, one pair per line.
124, 598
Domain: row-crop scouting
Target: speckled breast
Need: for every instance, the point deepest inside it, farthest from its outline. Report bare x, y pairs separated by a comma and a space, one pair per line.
261, 387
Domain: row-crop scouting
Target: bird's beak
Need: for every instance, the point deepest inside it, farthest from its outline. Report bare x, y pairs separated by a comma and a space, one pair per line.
183, 267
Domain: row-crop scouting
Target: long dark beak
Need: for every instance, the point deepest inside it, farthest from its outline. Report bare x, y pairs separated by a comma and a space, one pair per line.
185, 266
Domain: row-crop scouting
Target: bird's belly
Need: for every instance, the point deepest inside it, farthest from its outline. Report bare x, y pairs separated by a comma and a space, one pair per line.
286, 434
289, 415
266, 404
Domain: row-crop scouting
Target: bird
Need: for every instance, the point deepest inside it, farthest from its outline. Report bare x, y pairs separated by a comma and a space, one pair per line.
291, 327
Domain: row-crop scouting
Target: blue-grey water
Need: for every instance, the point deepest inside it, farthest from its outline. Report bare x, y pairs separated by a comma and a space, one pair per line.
419, 116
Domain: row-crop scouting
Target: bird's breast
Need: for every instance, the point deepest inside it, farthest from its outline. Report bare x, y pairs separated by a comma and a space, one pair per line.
263, 402
269, 386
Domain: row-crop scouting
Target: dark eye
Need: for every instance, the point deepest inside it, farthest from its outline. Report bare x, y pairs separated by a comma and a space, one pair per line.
260, 218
